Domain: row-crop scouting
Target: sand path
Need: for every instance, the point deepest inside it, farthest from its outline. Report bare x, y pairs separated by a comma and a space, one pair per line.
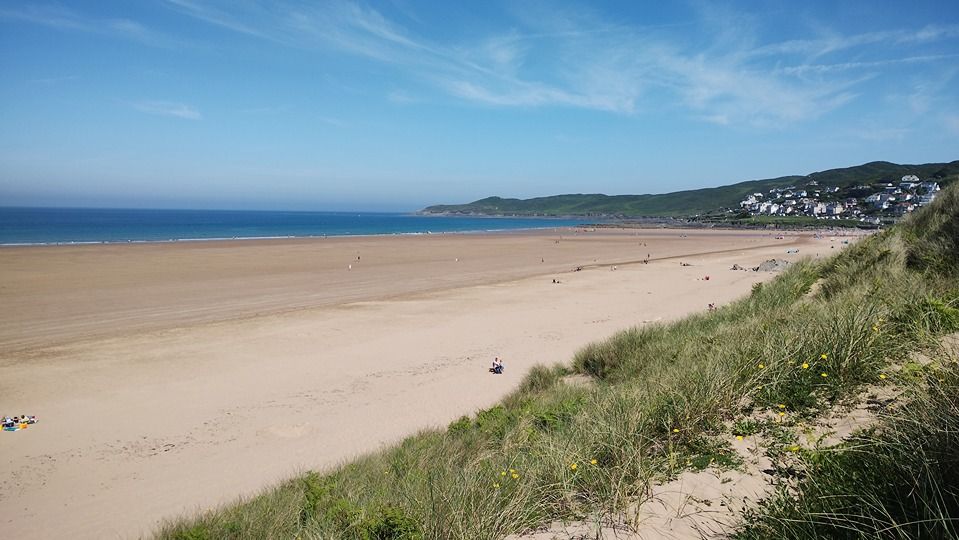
179, 377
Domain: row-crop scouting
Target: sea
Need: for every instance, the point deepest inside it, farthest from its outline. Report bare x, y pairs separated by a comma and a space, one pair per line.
31, 226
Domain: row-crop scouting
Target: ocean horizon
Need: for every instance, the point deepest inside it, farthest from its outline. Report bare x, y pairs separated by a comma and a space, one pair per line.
44, 226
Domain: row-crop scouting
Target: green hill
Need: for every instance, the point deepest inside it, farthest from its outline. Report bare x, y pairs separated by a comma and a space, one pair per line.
691, 202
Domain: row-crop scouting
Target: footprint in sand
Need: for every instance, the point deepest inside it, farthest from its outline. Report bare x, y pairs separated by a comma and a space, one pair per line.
551, 336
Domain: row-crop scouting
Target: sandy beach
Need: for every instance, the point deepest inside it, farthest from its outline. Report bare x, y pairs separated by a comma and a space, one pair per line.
170, 378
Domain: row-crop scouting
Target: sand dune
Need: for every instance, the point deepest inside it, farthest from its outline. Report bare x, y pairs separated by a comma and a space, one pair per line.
169, 378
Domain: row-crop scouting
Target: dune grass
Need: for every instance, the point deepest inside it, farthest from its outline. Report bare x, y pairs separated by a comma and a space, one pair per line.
660, 400
897, 481
901, 479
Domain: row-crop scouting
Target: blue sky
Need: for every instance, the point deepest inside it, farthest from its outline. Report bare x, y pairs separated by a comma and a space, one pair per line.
399, 104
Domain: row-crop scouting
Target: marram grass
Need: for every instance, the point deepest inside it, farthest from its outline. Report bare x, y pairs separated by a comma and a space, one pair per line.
660, 397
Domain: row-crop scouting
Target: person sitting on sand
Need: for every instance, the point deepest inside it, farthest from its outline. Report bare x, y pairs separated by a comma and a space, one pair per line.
497, 366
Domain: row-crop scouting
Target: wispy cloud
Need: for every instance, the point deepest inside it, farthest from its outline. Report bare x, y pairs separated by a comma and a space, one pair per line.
215, 16
835, 42
807, 69
401, 97
63, 18
167, 108
575, 58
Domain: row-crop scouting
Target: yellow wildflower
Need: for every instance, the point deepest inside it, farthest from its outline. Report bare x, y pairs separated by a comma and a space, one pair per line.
823, 356
882, 375
782, 405
572, 466
782, 413
823, 375
515, 476
675, 430
739, 437
502, 473
593, 462
761, 366
875, 328
512, 470
805, 365
495, 485
793, 448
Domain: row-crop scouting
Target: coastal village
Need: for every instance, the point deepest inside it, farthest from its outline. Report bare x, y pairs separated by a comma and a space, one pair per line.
872, 203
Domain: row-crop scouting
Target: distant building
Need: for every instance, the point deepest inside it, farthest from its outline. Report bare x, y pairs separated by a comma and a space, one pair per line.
880, 200
909, 182
835, 209
815, 208
902, 209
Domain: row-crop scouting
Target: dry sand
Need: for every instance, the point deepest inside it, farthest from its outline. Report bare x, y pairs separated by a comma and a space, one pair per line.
170, 378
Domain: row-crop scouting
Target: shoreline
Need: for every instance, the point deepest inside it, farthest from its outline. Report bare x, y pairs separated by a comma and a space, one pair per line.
831, 230
287, 237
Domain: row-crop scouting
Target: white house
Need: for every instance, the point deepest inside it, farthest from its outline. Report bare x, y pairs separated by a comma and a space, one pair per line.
815, 208
880, 200
929, 187
835, 209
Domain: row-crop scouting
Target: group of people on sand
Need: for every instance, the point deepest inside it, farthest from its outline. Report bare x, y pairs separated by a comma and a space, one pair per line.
18, 422
497, 366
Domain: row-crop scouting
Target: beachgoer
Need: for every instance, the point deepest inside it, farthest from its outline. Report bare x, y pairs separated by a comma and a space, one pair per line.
497, 366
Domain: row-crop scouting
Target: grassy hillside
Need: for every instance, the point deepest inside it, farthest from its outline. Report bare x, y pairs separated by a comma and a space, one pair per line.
692, 202
665, 398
